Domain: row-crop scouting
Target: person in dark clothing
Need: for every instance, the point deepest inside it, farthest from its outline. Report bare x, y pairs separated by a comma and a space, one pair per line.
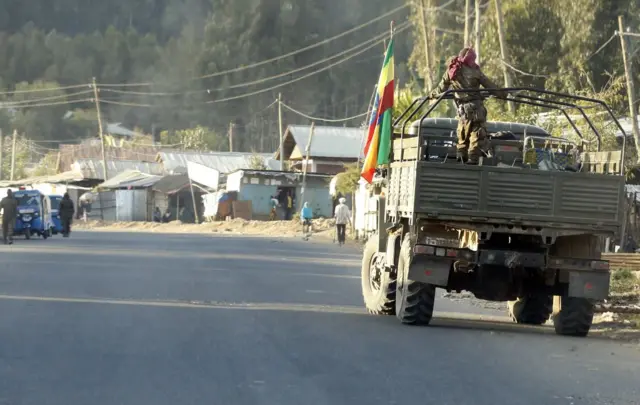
9, 206
157, 215
66, 210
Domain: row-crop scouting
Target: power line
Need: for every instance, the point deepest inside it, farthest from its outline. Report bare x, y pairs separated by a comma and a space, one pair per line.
84, 100
323, 119
11, 104
376, 38
304, 76
277, 58
43, 90
603, 46
404, 27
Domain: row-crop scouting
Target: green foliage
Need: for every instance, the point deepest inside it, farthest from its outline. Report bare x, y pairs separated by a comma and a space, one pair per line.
198, 138
257, 162
624, 281
47, 165
22, 159
347, 181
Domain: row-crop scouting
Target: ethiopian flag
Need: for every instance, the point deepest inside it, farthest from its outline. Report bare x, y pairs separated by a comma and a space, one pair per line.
378, 145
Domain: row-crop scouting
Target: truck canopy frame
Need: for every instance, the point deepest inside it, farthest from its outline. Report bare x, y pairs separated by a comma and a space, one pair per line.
522, 95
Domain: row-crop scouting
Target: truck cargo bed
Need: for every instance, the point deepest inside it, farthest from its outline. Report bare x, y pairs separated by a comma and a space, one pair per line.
484, 193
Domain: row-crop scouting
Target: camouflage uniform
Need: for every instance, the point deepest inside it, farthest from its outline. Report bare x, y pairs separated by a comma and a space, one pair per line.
472, 133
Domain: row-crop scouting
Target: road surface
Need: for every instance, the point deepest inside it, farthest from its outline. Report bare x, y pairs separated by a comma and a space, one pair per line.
117, 318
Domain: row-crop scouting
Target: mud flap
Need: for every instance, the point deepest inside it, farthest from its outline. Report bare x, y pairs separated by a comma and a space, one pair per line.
589, 284
431, 270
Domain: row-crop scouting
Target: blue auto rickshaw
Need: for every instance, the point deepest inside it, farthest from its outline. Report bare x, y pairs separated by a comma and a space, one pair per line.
55, 214
34, 214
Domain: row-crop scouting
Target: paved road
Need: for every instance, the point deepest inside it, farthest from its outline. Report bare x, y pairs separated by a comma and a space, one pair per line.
116, 318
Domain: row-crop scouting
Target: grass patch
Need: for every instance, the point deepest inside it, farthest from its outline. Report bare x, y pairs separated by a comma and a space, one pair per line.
624, 281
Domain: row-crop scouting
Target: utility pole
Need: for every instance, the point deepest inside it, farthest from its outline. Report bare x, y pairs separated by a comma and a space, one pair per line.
478, 38
104, 156
467, 24
1, 152
631, 96
231, 137
13, 154
281, 133
306, 162
421, 8
503, 51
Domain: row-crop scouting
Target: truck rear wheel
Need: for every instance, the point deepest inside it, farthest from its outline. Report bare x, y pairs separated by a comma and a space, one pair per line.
414, 300
573, 316
532, 309
378, 285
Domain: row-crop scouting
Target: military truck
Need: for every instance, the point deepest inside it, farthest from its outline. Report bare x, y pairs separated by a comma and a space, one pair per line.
525, 225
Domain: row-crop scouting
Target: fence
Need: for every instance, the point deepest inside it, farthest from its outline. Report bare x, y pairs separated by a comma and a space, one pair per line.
629, 261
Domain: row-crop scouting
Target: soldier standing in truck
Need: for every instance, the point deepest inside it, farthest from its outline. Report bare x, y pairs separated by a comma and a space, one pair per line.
464, 73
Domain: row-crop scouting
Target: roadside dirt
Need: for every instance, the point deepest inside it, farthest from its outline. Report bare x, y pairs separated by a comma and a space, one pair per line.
322, 228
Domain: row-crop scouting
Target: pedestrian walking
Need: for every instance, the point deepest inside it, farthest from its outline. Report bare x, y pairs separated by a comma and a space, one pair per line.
66, 210
306, 215
9, 206
342, 216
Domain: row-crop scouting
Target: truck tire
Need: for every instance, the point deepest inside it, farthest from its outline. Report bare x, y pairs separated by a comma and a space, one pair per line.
573, 316
378, 286
531, 310
414, 300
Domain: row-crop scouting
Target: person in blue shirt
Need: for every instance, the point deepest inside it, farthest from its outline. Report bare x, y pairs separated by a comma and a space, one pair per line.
306, 215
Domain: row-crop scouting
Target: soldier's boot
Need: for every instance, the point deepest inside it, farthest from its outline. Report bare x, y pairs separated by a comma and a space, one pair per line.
474, 157
461, 155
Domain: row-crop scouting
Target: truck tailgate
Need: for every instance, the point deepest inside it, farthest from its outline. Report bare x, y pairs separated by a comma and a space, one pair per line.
518, 194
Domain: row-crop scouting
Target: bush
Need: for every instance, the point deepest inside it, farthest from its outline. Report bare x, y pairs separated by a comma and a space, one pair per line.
624, 281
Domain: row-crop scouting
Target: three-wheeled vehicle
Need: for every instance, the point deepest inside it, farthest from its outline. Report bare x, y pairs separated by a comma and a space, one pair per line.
34, 214
55, 214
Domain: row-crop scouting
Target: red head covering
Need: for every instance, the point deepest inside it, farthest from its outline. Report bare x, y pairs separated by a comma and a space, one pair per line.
467, 57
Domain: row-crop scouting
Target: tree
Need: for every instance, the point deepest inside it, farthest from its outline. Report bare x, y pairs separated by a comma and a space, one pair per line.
256, 162
347, 181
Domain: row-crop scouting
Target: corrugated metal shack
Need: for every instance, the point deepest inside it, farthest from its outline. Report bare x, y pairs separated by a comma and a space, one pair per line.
331, 147
224, 162
258, 186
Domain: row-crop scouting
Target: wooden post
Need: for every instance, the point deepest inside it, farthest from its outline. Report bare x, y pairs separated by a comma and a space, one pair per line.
100, 130
58, 159
13, 154
503, 50
1, 153
631, 92
281, 133
195, 206
478, 34
467, 25
231, 137
306, 164
421, 8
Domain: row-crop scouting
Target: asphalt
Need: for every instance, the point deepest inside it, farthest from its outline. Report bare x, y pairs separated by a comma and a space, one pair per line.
133, 318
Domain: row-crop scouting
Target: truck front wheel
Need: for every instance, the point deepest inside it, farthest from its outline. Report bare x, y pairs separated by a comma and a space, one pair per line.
378, 285
534, 309
414, 300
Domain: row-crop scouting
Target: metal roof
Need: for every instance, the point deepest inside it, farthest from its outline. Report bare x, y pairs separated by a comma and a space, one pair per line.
130, 178
171, 184
277, 173
224, 162
93, 168
65, 177
327, 142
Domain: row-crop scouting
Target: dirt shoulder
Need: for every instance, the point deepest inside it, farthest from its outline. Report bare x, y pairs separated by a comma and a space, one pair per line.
322, 228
